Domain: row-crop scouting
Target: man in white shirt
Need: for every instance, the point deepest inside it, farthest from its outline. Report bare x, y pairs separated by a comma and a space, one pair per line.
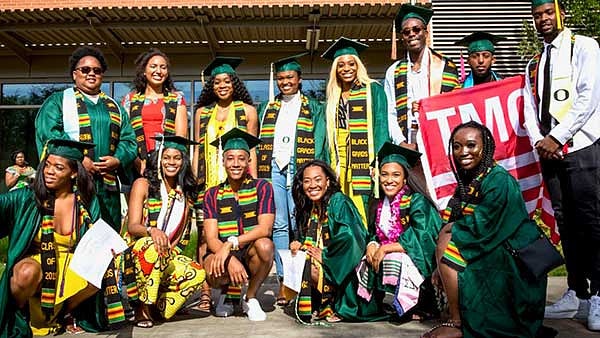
293, 128
562, 117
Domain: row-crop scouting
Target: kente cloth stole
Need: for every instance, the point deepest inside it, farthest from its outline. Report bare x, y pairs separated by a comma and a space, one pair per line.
449, 83
457, 208
85, 131
154, 205
227, 217
305, 145
205, 114
135, 113
316, 235
533, 69
360, 126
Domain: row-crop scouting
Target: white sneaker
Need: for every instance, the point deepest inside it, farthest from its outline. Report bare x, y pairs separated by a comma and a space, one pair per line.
583, 310
222, 309
565, 308
594, 314
252, 308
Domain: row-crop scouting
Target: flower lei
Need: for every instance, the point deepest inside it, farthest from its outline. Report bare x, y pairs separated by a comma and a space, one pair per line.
399, 206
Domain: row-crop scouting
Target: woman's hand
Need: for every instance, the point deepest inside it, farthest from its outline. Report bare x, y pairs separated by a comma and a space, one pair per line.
378, 257
161, 241
371, 250
315, 253
294, 247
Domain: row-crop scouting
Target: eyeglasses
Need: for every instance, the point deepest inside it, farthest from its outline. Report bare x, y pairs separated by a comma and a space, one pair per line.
414, 29
87, 70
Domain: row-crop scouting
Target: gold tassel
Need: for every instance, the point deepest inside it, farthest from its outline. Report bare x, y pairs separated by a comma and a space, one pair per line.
393, 55
376, 178
559, 23
271, 86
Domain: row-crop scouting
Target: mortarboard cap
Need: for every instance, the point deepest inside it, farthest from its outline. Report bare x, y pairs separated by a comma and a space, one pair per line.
535, 3
407, 11
236, 139
289, 63
222, 65
390, 152
70, 149
480, 41
344, 46
174, 141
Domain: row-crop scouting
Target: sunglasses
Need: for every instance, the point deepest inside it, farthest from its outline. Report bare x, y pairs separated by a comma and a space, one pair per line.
87, 70
414, 29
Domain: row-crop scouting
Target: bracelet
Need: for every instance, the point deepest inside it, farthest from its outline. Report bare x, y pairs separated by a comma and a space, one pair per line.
374, 242
234, 242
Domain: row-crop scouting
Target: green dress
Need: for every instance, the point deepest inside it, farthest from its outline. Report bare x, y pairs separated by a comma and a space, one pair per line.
346, 247
418, 240
21, 220
496, 298
49, 125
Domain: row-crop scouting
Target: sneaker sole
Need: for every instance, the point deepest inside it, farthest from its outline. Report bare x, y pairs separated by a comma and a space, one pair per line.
560, 315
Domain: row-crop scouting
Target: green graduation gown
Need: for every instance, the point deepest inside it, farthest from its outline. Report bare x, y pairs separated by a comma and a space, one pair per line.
49, 124
342, 255
21, 221
496, 298
418, 240
319, 127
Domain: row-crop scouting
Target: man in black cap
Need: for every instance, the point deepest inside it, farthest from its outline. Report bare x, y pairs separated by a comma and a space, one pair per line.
423, 73
480, 46
562, 117
238, 220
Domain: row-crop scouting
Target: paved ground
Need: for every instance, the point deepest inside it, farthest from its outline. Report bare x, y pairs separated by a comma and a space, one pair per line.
280, 324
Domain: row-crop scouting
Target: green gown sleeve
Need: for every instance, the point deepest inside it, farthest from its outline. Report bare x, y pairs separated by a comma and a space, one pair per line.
48, 122
497, 217
348, 239
127, 148
420, 238
261, 112
380, 115
319, 130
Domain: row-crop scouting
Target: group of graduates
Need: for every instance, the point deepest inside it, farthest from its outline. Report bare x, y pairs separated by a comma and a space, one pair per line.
341, 181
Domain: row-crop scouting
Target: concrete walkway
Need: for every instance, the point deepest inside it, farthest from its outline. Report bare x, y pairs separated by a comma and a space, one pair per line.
281, 324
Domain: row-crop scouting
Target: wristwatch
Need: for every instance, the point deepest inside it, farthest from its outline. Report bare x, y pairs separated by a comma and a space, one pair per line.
234, 242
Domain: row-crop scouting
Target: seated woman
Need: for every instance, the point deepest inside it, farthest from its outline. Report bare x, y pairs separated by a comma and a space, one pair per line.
331, 232
488, 294
159, 216
44, 223
403, 234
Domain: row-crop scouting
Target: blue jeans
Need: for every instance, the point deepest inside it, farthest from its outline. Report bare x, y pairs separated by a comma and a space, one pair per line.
285, 223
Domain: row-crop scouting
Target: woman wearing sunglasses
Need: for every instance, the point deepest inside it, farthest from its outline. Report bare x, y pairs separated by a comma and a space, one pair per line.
154, 107
423, 72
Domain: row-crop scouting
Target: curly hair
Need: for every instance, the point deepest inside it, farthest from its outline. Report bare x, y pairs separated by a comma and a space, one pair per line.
304, 205
84, 51
84, 182
13, 155
208, 96
464, 177
140, 82
185, 178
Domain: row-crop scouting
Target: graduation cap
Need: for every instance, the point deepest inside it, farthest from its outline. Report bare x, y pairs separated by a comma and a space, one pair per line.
480, 41
236, 139
344, 46
535, 3
408, 11
70, 149
222, 65
175, 142
390, 152
289, 63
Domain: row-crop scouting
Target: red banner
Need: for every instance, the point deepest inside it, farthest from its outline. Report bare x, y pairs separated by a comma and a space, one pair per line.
499, 106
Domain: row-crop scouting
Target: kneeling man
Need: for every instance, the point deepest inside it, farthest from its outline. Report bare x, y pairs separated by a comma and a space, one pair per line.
238, 220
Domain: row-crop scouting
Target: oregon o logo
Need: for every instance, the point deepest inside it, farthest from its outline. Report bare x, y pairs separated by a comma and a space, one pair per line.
286, 139
561, 95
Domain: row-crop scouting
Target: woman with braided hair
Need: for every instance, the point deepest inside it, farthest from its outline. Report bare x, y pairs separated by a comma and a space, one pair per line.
154, 107
488, 294
44, 223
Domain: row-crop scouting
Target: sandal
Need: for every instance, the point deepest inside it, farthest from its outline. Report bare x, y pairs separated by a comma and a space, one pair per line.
448, 324
144, 323
70, 324
334, 318
142, 317
203, 306
282, 301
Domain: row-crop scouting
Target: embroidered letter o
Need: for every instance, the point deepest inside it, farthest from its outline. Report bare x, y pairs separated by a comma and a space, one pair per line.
561, 95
